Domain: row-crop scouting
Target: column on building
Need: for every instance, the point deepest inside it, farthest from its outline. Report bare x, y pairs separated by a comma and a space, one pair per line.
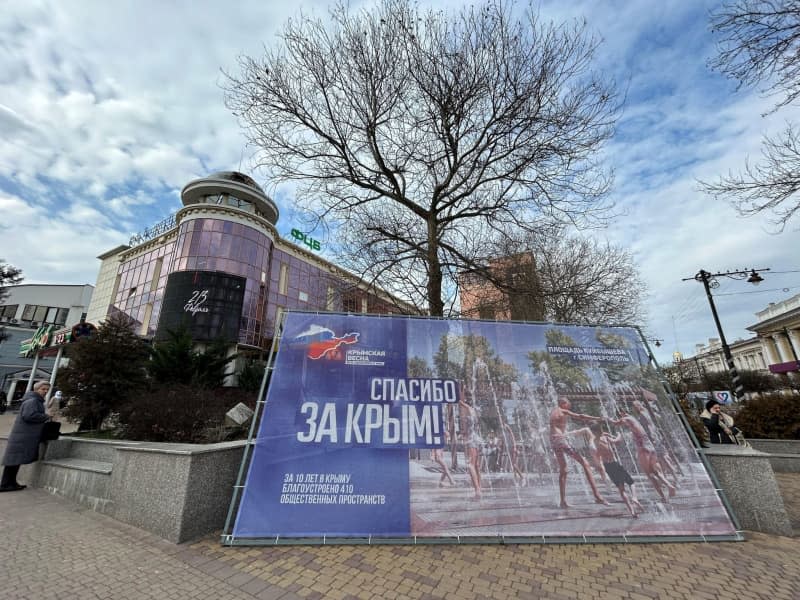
768, 344
794, 339
782, 343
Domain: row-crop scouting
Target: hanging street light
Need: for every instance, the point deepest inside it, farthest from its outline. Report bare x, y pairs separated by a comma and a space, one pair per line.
709, 281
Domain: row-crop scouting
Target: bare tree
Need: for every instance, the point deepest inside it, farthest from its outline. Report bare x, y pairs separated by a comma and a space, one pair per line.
760, 43
9, 275
567, 279
426, 137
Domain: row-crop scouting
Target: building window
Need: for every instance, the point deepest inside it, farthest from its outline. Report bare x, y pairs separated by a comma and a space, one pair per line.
279, 310
302, 296
9, 311
156, 273
40, 314
283, 279
350, 303
129, 302
148, 313
330, 298
61, 316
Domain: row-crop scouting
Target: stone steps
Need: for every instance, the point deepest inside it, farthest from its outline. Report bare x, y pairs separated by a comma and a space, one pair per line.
87, 482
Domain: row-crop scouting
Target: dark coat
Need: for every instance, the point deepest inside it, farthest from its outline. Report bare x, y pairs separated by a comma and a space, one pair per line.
716, 434
23, 441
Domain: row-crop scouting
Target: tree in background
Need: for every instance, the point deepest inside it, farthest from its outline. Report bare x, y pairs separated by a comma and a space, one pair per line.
8, 276
175, 361
569, 279
105, 370
564, 372
418, 367
428, 136
251, 375
758, 43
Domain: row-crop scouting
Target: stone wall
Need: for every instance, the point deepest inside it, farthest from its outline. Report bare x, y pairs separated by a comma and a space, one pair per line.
177, 491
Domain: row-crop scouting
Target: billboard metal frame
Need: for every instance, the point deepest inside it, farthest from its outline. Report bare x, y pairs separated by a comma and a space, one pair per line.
229, 539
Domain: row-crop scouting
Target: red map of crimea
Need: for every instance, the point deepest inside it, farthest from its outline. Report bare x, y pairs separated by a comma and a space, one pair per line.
317, 350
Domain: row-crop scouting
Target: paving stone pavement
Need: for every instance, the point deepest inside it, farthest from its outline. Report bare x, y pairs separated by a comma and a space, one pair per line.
53, 549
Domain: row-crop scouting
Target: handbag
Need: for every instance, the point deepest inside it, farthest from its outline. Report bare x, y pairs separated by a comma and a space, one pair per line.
51, 431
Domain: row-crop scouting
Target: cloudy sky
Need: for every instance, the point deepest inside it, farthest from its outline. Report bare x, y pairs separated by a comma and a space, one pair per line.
108, 108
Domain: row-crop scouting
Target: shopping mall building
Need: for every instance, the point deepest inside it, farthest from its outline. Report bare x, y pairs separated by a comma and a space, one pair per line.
220, 267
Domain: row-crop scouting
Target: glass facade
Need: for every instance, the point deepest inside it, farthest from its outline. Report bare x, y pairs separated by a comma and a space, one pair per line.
217, 245
140, 287
277, 277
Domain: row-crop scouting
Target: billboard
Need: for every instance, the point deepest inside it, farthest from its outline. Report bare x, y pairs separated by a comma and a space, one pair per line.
401, 427
208, 303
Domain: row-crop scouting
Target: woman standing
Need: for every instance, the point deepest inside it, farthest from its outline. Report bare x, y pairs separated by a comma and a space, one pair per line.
23, 441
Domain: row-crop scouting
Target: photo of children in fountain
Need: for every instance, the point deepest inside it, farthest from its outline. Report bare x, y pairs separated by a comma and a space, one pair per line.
560, 431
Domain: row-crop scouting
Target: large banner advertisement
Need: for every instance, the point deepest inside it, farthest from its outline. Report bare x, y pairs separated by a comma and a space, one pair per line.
400, 427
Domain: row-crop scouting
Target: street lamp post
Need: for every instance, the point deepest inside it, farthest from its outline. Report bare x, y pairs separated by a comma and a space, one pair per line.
709, 281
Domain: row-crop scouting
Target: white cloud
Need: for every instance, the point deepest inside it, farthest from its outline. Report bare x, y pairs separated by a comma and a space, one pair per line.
109, 108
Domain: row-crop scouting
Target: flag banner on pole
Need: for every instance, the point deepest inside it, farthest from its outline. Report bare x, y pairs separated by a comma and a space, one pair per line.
404, 427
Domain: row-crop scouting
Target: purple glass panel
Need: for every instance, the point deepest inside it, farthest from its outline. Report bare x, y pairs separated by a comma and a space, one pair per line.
215, 246
225, 245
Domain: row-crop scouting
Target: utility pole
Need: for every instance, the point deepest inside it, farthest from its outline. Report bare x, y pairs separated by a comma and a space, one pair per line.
709, 281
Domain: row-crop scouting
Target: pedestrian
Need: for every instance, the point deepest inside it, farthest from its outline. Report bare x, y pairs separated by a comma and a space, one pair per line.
23, 441
719, 425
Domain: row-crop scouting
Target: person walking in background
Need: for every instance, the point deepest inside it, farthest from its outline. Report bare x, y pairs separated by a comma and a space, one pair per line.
23, 441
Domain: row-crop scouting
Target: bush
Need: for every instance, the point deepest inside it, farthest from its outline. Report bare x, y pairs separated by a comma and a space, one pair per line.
773, 416
695, 423
251, 375
181, 413
105, 370
175, 360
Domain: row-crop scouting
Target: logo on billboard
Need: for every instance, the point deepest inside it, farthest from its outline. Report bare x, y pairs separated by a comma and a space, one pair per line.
195, 303
323, 342
208, 303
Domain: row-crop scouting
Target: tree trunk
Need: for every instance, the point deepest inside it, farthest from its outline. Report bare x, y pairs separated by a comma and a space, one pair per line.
435, 304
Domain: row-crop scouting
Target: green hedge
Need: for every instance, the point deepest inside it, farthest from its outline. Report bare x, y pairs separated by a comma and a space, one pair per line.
773, 416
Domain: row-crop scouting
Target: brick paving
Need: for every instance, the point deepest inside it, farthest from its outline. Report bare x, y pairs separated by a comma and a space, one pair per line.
54, 549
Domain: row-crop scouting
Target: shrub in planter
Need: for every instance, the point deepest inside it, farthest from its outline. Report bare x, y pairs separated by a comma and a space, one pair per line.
180, 413
105, 370
773, 416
